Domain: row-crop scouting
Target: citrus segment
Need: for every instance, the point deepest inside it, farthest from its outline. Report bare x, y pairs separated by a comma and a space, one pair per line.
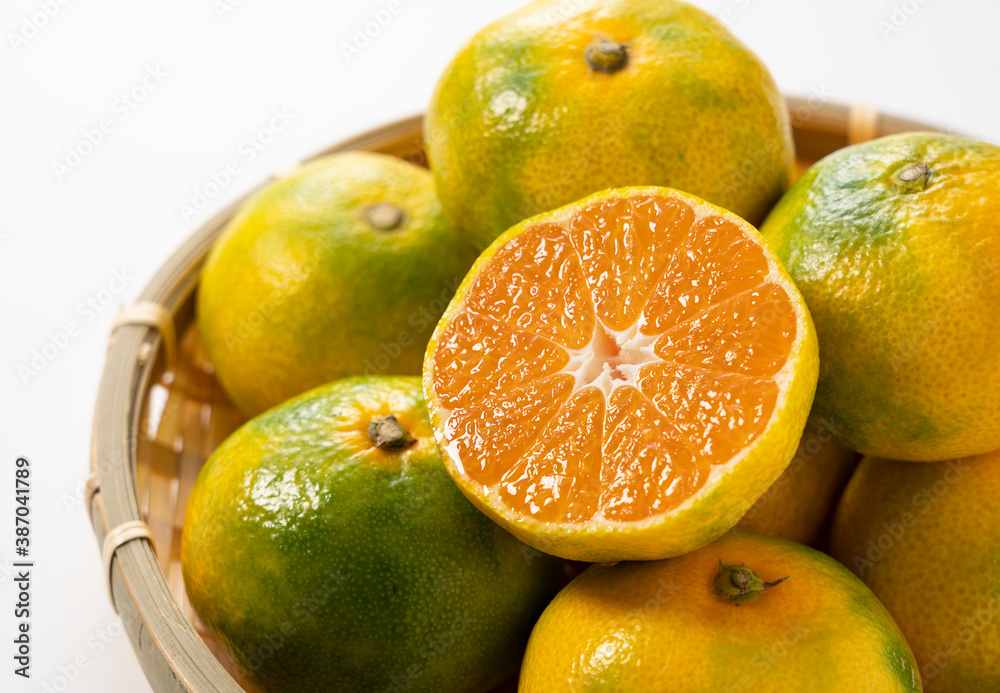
510, 423
479, 357
748, 334
625, 229
613, 362
646, 464
538, 285
558, 480
719, 265
717, 413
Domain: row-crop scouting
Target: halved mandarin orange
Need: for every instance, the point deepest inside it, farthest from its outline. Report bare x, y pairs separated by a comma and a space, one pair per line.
623, 377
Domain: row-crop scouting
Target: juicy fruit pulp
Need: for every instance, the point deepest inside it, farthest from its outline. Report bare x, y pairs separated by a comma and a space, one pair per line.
643, 369
560, 100
605, 362
327, 548
895, 245
679, 625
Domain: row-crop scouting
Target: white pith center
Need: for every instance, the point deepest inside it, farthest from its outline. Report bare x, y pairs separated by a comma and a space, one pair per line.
611, 359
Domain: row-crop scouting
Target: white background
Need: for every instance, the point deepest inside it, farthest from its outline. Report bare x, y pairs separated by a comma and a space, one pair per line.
225, 66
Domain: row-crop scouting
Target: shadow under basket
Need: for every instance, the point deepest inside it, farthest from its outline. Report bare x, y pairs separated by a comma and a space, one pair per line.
160, 414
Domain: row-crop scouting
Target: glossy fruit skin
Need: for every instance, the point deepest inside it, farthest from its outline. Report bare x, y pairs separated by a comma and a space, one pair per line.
705, 517
520, 124
903, 282
799, 506
301, 290
658, 626
926, 539
323, 563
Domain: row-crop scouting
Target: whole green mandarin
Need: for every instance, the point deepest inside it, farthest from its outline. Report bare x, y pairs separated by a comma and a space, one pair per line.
327, 548
895, 245
561, 100
343, 268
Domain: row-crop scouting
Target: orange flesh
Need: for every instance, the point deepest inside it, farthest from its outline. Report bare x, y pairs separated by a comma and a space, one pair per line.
601, 368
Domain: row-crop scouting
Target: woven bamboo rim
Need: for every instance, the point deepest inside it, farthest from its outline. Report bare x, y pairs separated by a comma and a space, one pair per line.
144, 348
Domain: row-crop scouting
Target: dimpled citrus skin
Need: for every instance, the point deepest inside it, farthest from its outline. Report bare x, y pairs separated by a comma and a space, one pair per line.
904, 287
658, 626
520, 124
301, 290
800, 504
926, 539
700, 519
324, 563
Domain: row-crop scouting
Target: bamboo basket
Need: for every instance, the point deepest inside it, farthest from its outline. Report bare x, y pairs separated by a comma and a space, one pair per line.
160, 414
